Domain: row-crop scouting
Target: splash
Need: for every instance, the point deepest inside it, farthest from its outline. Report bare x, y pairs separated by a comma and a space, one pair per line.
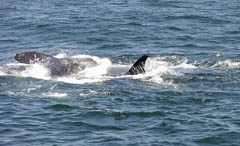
89, 75
2, 73
39, 71
157, 69
36, 71
227, 64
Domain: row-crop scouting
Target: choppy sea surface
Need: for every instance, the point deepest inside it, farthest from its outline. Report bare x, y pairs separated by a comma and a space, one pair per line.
189, 95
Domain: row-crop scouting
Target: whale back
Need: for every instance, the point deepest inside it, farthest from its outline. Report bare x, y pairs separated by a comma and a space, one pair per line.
31, 57
56, 66
66, 66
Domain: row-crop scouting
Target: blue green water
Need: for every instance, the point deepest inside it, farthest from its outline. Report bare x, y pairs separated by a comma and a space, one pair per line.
189, 95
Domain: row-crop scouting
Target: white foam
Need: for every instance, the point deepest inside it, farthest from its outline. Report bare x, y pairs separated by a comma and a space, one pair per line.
17, 64
73, 80
227, 64
91, 74
185, 65
9, 69
90, 92
157, 68
54, 94
2, 73
36, 71
30, 89
61, 55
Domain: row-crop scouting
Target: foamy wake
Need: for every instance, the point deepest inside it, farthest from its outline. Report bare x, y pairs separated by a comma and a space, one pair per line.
156, 69
42, 95
227, 64
54, 94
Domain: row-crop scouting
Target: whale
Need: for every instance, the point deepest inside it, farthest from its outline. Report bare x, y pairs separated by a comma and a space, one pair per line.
67, 66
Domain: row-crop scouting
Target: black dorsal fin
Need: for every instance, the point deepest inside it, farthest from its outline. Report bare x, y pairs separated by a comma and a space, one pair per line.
138, 66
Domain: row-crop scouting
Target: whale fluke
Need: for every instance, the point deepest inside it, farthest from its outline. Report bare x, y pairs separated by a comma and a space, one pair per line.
138, 66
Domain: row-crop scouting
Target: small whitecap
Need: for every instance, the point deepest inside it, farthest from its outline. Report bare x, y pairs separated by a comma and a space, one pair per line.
10, 93
54, 94
61, 55
30, 89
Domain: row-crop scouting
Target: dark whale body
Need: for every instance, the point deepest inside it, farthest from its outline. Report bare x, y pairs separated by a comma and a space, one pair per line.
67, 66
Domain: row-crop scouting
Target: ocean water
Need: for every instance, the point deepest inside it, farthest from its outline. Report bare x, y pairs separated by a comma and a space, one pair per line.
189, 95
